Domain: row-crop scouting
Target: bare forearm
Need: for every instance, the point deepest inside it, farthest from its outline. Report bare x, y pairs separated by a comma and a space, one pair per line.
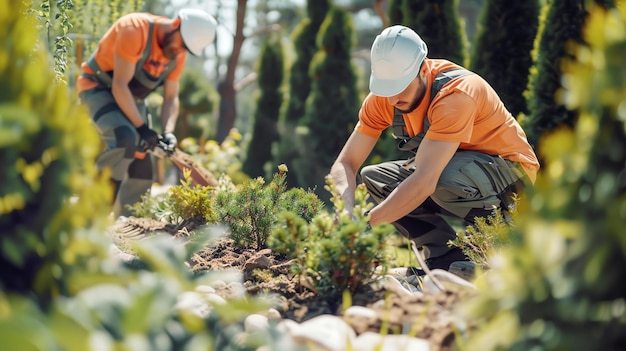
344, 178
169, 114
126, 102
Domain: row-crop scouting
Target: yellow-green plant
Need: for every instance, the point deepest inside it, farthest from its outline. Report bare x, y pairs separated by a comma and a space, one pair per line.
49, 188
189, 201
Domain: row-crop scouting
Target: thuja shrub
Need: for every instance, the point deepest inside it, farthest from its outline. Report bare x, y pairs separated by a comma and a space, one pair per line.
337, 251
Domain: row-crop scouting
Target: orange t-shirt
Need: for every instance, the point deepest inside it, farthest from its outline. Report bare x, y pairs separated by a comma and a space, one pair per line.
466, 110
127, 38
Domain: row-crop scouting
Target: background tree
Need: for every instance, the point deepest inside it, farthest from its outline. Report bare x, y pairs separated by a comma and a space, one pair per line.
561, 26
439, 24
333, 103
265, 132
226, 86
559, 287
395, 11
502, 49
305, 46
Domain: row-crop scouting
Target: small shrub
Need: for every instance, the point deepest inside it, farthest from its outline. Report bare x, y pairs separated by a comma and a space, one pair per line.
336, 252
250, 211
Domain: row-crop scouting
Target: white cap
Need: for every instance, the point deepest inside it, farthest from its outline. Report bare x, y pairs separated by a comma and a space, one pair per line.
197, 29
396, 56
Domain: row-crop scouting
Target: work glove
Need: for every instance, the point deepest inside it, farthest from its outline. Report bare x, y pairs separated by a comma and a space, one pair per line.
149, 136
170, 141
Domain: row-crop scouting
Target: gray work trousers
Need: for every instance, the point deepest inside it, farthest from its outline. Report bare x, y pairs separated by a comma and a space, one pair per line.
473, 184
121, 140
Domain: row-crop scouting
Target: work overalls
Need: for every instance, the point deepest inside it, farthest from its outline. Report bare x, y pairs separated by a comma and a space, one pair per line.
132, 177
473, 184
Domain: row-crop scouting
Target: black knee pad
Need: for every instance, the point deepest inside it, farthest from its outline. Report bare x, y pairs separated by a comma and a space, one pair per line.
140, 169
125, 138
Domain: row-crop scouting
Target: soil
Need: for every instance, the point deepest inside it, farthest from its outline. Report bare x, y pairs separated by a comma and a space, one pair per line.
300, 303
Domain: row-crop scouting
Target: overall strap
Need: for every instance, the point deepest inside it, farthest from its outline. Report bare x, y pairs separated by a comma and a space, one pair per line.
399, 132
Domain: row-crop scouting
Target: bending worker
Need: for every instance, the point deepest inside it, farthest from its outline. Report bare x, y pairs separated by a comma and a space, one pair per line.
138, 54
470, 154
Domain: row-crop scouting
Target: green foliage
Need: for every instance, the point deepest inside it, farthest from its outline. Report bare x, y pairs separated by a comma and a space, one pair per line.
560, 287
157, 207
265, 131
394, 12
299, 86
485, 238
503, 46
561, 28
439, 24
336, 252
49, 189
333, 102
250, 210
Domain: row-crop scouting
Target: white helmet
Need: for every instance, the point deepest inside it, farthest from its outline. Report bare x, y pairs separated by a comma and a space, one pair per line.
396, 56
197, 29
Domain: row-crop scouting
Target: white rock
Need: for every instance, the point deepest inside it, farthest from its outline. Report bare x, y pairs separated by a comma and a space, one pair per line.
205, 289
193, 302
325, 331
215, 299
255, 322
370, 341
360, 318
273, 314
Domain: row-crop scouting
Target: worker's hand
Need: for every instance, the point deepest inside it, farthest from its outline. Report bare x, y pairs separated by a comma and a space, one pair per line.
170, 141
149, 136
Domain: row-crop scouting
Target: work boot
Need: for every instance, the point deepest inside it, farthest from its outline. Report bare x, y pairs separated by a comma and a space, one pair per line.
440, 262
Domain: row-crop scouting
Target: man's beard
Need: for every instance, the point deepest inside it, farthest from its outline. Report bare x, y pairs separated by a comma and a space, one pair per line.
417, 100
167, 50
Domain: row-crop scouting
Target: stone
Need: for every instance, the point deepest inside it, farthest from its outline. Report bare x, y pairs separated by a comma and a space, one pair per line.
360, 318
370, 341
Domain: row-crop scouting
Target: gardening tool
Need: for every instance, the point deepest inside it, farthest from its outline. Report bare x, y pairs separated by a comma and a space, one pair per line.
182, 160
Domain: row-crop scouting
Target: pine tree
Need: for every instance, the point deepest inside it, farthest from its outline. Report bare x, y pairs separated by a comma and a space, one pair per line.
502, 49
439, 24
303, 39
333, 104
265, 132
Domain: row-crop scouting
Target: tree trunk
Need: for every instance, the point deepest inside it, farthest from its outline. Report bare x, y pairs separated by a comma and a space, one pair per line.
226, 88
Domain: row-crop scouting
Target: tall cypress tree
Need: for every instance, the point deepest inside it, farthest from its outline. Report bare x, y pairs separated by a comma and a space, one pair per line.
333, 104
265, 131
303, 39
439, 24
503, 45
564, 20
394, 11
